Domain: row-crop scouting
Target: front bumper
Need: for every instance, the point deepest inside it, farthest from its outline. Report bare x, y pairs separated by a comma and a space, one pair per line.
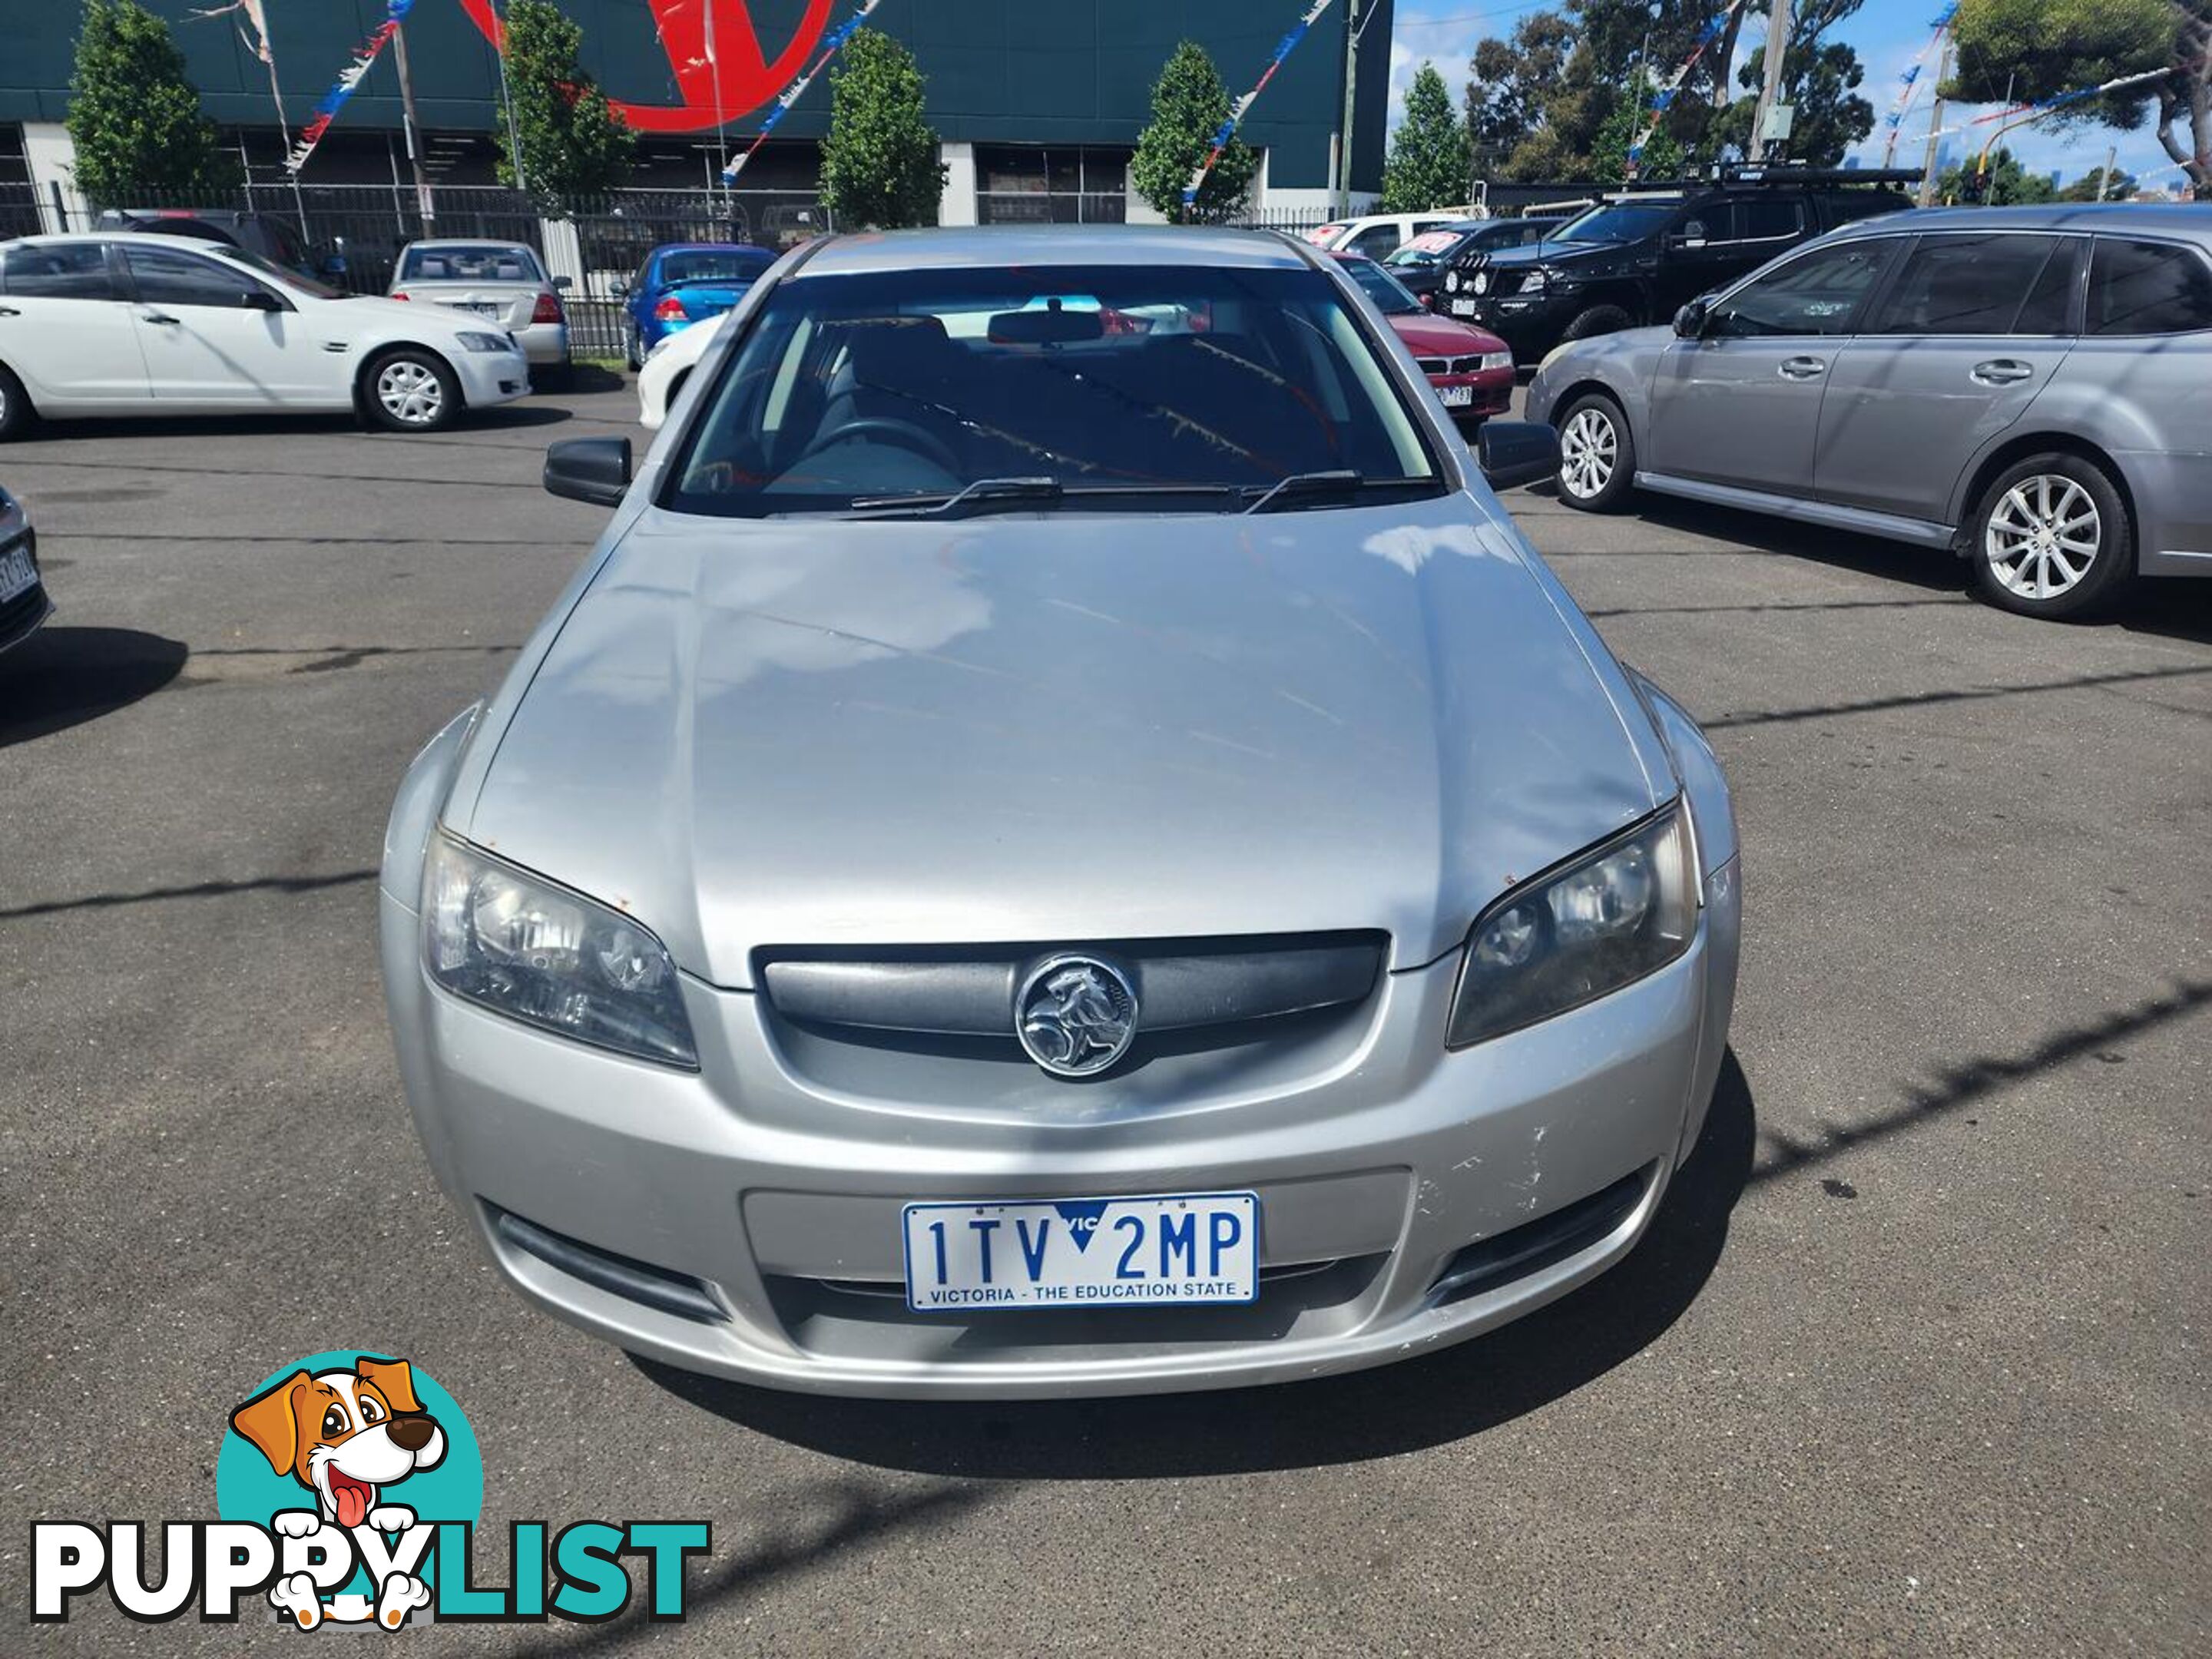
772, 1190
489, 378
1531, 325
1488, 392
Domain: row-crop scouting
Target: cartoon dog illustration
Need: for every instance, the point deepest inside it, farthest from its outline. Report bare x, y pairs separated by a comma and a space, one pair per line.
345, 1435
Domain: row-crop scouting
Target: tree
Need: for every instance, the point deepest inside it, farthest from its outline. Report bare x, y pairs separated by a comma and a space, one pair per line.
1509, 83
1819, 83
1608, 160
1428, 164
2094, 187
1189, 104
2003, 183
574, 145
134, 117
879, 165
2042, 49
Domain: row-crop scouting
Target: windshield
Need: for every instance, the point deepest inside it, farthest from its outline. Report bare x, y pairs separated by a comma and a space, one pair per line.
1390, 295
714, 264
1429, 248
459, 262
1618, 222
284, 274
1127, 385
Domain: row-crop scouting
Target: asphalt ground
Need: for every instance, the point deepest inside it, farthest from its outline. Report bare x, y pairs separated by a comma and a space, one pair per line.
1914, 1361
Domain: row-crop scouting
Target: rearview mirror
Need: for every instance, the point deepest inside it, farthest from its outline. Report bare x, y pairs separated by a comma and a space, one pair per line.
1517, 452
594, 469
1690, 320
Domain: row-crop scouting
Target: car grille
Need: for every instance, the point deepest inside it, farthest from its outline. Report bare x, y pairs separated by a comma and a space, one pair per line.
1448, 365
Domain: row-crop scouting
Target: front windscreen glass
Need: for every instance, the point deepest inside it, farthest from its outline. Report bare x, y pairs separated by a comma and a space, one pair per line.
1390, 295
1429, 248
1106, 387
1618, 222
284, 274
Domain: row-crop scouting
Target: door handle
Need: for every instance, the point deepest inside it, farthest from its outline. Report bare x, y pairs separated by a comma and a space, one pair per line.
157, 317
2002, 371
9, 311
1802, 368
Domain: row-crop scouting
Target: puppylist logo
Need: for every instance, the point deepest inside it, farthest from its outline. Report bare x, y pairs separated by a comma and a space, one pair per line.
350, 1487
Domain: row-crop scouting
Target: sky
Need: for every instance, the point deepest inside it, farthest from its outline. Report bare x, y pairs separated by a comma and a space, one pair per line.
1887, 34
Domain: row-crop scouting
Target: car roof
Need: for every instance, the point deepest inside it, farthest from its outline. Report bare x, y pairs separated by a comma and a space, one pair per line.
2186, 218
472, 242
712, 247
112, 233
996, 246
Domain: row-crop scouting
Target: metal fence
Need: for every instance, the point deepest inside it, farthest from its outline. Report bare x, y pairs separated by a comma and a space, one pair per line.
352, 234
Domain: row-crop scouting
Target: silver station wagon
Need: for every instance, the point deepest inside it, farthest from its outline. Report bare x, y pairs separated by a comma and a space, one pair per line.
2029, 388
1062, 843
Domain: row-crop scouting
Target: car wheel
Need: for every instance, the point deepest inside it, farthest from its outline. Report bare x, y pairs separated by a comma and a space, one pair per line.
633, 350
1597, 456
16, 414
2051, 539
1598, 320
410, 390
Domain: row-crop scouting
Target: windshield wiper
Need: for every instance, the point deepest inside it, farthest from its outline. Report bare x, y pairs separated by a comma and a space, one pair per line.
983, 491
1337, 481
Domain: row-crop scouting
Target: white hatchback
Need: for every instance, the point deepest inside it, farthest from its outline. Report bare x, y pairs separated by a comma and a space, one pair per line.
125, 324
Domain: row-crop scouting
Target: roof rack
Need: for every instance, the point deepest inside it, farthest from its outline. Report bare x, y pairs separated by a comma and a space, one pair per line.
1776, 173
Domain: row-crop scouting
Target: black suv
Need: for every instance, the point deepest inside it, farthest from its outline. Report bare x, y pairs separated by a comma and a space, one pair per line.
1639, 256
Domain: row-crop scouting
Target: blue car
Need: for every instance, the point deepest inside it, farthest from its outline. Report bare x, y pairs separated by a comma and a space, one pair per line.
684, 282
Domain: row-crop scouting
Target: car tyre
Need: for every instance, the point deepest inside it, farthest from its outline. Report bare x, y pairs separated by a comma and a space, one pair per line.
411, 390
1598, 320
2050, 538
17, 414
1597, 455
633, 350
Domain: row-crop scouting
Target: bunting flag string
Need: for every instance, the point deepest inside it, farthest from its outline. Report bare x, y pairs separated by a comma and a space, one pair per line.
1664, 97
835, 39
395, 13
1228, 128
1906, 82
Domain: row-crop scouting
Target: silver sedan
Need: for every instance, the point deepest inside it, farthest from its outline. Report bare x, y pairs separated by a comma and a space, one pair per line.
1062, 843
504, 283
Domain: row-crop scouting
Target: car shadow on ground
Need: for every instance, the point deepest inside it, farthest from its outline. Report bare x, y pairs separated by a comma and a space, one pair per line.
1418, 1403
63, 677
590, 377
506, 417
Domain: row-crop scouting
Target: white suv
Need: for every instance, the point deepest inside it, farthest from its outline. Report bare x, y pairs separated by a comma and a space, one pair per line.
1381, 233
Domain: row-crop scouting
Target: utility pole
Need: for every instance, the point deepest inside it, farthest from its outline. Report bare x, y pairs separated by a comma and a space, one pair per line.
2105, 179
1936, 125
422, 201
1770, 93
1351, 87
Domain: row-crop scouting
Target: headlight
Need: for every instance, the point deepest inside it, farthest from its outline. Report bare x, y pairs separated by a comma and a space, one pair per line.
1481, 282
1496, 359
550, 958
1622, 911
473, 341
1451, 281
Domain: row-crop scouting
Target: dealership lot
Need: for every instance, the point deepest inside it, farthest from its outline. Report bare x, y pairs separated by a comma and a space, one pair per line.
1916, 1358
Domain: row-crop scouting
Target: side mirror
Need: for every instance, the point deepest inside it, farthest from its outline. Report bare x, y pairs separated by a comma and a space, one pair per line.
1513, 452
619, 287
260, 299
594, 469
1690, 320
564, 283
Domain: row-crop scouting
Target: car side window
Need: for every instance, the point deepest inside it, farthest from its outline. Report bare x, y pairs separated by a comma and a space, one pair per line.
1770, 218
1977, 285
57, 271
2148, 288
1706, 224
1375, 240
165, 278
1816, 295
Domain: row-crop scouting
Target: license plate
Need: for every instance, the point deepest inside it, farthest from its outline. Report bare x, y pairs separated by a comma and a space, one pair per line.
16, 573
1457, 397
482, 308
1177, 1249
1462, 307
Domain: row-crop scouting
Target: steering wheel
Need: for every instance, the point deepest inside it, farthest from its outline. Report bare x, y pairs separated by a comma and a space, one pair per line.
905, 434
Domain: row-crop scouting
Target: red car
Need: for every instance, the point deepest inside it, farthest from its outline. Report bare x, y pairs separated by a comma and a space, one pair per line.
1471, 368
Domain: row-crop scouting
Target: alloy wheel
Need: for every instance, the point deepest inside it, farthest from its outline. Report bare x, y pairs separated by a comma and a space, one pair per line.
410, 392
1588, 451
2043, 536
